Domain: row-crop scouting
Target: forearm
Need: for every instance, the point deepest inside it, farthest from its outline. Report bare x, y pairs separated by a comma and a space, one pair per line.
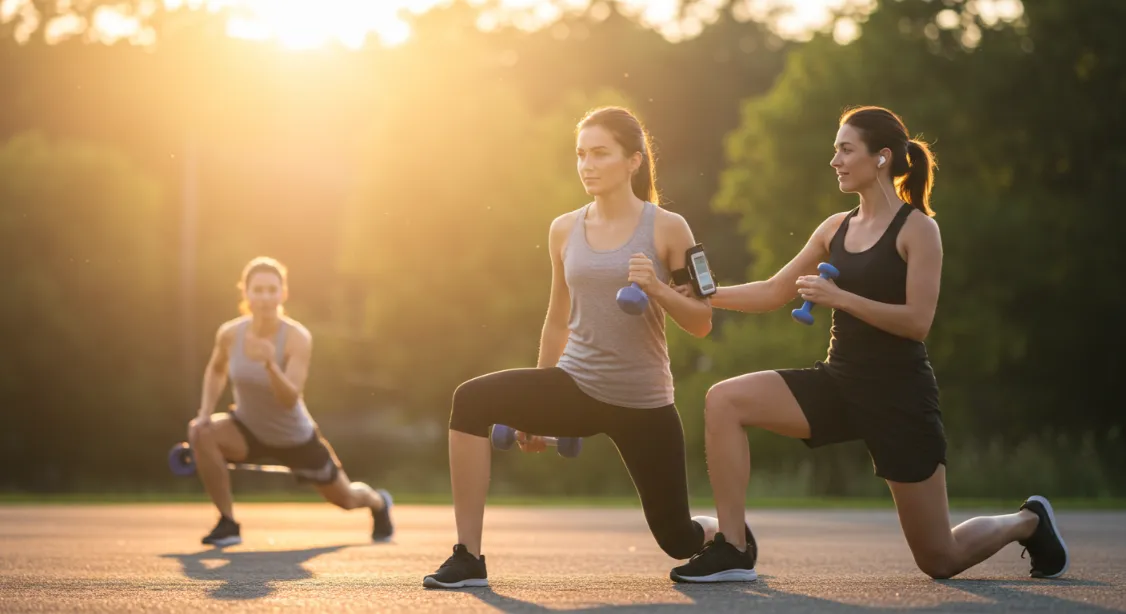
692, 315
901, 320
213, 384
754, 297
553, 340
284, 390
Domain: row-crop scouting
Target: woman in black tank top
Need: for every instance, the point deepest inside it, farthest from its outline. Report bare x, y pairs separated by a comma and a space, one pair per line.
876, 384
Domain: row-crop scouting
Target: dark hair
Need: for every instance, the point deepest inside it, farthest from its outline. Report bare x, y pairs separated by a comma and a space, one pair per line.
631, 135
912, 163
261, 264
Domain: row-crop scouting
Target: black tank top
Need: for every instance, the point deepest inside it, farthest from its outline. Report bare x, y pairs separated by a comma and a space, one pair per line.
879, 274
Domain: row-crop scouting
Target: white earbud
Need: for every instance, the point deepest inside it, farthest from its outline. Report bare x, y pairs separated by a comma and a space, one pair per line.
882, 160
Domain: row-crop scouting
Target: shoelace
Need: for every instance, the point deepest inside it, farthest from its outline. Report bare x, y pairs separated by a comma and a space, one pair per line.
703, 551
452, 561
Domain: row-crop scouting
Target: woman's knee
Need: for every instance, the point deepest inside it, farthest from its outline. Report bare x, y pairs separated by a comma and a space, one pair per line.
469, 405
200, 432
938, 565
720, 409
681, 544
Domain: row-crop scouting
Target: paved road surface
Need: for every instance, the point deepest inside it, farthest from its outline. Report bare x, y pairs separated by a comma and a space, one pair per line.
314, 558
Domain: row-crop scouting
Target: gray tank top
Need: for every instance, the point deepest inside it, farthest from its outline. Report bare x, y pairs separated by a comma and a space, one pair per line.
255, 404
615, 357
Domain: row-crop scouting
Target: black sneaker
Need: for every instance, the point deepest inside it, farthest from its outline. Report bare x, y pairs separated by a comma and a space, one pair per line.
381, 527
719, 561
226, 533
460, 570
1045, 547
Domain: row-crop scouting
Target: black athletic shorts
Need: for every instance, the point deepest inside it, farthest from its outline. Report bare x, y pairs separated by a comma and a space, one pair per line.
897, 417
311, 462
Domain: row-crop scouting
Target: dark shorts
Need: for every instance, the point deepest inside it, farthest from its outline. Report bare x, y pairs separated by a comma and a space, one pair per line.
897, 418
311, 462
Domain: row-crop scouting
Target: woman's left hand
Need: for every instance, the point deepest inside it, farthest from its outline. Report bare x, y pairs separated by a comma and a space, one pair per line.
642, 273
817, 290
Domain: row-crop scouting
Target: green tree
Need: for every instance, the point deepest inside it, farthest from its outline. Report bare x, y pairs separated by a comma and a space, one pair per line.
85, 308
1028, 135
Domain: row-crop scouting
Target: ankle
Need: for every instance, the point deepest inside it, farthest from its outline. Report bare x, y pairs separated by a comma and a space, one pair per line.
739, 544
1029, 522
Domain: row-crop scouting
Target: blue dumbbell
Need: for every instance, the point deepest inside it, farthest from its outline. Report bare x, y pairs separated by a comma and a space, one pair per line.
803, 315
180, 460
503, 437
632, 299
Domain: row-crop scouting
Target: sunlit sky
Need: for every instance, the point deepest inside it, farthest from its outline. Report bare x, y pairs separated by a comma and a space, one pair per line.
309, 24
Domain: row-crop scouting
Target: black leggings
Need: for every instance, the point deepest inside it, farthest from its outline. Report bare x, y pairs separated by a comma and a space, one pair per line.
650, 441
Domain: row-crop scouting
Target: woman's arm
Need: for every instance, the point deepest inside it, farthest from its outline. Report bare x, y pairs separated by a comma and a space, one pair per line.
288, 384
553, 338
922, 246
774, 293
215, 374
692, 314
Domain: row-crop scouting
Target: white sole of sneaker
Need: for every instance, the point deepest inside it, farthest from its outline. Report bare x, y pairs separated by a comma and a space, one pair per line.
234, 540
729, 575
1056, 530
429, 582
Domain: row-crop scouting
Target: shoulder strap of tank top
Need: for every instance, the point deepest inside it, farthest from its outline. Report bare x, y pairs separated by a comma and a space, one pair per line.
838, 236
898, 221
279, 343
580, 221
578, 231
240, 333
649, 217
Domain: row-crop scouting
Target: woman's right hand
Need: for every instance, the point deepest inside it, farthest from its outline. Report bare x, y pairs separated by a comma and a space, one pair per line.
530, 443
202, 419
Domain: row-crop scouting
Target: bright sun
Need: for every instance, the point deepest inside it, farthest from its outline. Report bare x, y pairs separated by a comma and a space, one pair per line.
307, 24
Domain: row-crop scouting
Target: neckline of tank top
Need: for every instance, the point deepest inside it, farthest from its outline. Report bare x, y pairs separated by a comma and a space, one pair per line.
248, 323
883, 235
632, 236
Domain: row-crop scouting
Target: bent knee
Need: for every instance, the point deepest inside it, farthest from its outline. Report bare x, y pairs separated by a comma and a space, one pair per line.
200, 433
721, 409
718, 400
467, 412
938, 566
680, 546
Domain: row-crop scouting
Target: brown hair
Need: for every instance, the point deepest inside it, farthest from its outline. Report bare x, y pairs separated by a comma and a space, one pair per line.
912, 163
631, 135
261, 264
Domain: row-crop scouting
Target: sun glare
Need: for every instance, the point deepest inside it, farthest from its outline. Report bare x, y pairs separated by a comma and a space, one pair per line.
310, 24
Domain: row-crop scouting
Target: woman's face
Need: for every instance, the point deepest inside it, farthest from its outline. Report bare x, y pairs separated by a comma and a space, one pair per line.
855, 166
603, 164
264, 293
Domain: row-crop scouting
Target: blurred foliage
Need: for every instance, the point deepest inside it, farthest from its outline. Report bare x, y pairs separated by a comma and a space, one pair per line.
409, 190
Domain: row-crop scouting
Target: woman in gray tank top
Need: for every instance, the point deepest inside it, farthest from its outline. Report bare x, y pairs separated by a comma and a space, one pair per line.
600, 370
265, 355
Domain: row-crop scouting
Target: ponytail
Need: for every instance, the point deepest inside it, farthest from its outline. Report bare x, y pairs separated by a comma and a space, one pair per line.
644, 181
915, 186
